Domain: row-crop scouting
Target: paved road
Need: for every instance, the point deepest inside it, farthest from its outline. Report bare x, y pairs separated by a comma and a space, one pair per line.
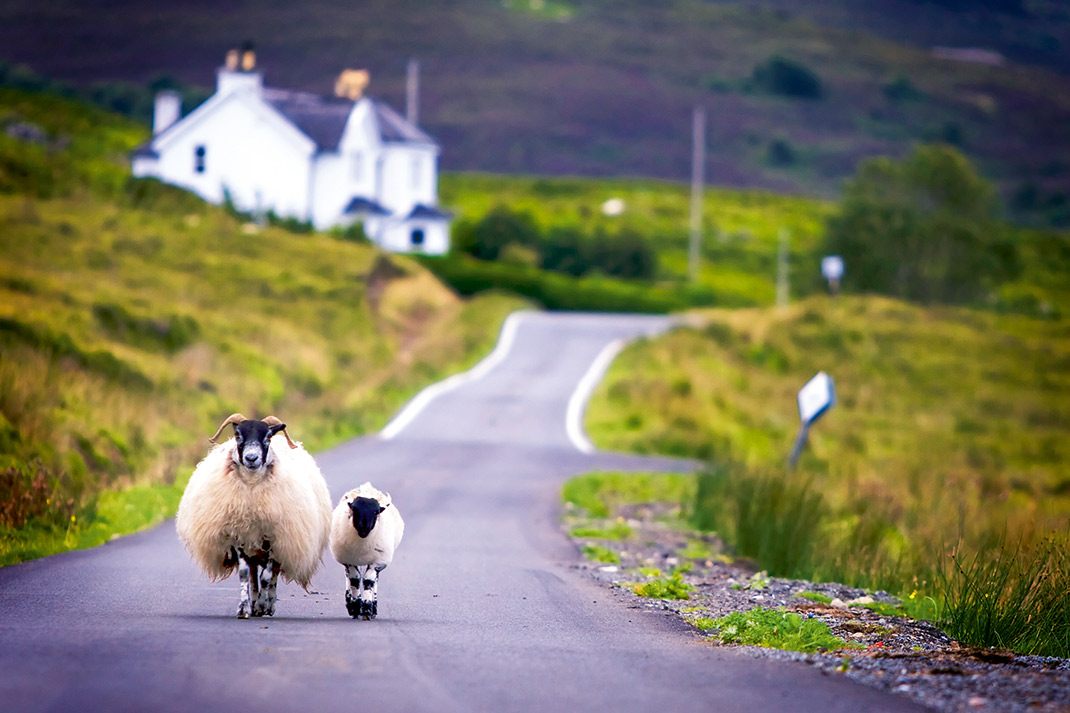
480, 611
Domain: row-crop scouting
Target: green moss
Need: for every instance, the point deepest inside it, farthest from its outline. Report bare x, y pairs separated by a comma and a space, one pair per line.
672, 587
775, 629
598, 553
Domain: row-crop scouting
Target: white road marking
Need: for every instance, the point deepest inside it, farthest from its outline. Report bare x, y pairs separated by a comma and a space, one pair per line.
425, 397
577, 403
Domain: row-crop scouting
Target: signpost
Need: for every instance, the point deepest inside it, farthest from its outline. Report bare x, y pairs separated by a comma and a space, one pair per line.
816, 397
832, 269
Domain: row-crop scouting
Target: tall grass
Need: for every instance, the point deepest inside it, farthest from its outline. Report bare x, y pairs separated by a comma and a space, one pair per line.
770, 518
989, 593
1013, 595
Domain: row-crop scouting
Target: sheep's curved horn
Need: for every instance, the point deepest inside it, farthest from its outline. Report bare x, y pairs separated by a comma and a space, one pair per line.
232, 418
274, 421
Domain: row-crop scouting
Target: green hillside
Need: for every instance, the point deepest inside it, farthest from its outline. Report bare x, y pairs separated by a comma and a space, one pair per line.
134, 317
941, 468
795, 93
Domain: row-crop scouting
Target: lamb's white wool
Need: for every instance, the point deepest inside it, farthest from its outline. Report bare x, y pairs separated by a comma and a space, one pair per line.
377, 548
225, 506
365, 557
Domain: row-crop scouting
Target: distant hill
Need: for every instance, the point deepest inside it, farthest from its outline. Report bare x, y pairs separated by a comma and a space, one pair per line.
606, 88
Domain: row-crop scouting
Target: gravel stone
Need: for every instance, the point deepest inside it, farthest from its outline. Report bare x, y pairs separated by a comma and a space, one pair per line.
892, 653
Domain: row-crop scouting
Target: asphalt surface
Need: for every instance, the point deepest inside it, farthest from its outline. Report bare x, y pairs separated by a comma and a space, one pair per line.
480, 611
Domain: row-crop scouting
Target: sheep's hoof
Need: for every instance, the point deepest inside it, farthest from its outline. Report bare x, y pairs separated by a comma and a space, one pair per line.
264, 607
243, 611
371, 609
353, 606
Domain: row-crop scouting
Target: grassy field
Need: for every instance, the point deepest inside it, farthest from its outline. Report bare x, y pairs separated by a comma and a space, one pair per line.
741, 229
949, 436
133, 318
741, 235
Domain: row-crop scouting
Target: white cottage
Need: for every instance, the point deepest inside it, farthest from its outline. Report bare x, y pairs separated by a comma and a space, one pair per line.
331, 161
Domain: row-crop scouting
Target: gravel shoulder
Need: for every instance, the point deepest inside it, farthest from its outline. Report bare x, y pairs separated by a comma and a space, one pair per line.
884, 650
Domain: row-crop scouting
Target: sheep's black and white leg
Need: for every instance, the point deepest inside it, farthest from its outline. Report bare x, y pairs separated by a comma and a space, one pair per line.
369, 595
245, 602
250, 585
269, 579
354, 582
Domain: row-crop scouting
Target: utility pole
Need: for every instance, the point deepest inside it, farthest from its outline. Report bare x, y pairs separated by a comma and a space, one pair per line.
698, 174
782, 279
412, 92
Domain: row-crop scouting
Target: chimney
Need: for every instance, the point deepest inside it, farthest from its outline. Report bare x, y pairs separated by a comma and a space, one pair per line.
351, 83
248, 57
239, 71
166, 111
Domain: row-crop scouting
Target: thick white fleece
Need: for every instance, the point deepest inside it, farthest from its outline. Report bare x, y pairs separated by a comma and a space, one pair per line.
225, 506
378, 547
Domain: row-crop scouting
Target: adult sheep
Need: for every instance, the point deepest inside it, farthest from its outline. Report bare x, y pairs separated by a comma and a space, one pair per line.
254, 505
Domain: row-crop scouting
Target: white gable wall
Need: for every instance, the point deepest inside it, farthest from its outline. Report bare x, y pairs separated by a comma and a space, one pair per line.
409, 177
249, 151
352, 171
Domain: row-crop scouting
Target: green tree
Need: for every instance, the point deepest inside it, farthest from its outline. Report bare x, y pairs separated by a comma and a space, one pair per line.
925, 228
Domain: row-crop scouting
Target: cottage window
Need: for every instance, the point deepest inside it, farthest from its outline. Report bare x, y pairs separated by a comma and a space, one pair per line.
356, 166
198, 158
417, 169
417, 238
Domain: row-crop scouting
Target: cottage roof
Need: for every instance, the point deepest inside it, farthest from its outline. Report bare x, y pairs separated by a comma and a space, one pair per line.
393, 127
323, 119
319, 118
428, 212
364, 206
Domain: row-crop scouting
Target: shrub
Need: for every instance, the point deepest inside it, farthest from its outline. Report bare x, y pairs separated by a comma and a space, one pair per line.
502, 226
780, 75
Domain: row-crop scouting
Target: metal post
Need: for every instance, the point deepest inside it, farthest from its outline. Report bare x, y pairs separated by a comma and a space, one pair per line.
698, 171
800, 443
782, 278
412, 92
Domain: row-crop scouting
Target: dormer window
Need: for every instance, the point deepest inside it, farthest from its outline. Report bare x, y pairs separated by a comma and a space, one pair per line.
356, 166
198, 158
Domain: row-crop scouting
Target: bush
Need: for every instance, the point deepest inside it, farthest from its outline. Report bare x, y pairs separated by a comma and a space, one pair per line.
780, 75
500, 227
923, 228
555, 291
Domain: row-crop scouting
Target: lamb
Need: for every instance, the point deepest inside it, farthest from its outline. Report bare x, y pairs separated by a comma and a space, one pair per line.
253, 505
366, 529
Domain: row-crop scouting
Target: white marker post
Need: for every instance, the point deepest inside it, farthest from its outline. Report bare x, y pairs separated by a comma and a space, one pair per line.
832, 270
815, 398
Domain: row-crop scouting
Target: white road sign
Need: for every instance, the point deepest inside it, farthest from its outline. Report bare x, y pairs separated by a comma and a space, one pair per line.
832, 267
816, 397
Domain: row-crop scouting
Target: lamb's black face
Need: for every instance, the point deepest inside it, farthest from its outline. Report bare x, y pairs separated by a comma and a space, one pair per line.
365, 512
252, 439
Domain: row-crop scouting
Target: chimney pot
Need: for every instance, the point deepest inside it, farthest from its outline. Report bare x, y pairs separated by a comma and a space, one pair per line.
351, 83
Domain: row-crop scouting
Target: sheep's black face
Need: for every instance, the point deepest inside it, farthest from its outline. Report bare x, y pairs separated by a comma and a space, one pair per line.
365, 512
252, 440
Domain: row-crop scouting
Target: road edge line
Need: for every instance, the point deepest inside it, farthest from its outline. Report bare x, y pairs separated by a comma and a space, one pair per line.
418, 403
577, 403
